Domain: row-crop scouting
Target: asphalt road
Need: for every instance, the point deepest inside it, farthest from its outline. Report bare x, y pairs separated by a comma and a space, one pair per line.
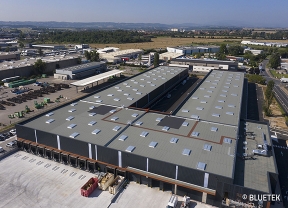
3, 144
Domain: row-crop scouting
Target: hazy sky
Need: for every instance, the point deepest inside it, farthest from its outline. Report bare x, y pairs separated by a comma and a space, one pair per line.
273, 13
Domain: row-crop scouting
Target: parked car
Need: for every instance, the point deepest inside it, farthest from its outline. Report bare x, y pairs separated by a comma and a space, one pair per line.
1, 149
13, 131
11, 144
2, 138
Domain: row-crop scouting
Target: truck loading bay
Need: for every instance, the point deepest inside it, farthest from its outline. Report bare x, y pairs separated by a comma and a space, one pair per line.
31, 181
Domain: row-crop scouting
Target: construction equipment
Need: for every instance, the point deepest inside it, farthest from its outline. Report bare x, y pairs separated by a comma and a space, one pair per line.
47, 100
27, 109
172, 201
186, 202
19, 114
37, 105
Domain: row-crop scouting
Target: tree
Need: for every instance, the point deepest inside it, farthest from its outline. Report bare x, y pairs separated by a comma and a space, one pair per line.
87, 55
275, 61
94, 56
39, 67
7, 49
223, 49
235, 50
269, 95
40, 52
79, 60
156, 59
21, 45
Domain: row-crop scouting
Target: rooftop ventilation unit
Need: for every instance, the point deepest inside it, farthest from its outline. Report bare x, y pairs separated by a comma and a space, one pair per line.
91, 123
174, 140
130, 98
130, 149
112, 111
212, 87
210, 91
135, 89
91, 107
69, 118
234, 94
195, 117
98, 101
135, 115
207, 147
185, 123
195, 98
214, 129
235, 86
116, 128
231, 106
185, 111
123, 138
50, 121
227, 140
96, 131
71, 110
226, 87
165, 128
148, 82
230, 113
216, 115
50, 114
203, 101
153, 85
159, 119
202, 88
221, 101
139, 93
92, 114
214, 83
228, 83
117, 88
128, 86
199, 108
138, 123
142, 85
135, 82
97, 96
114, 118
218, 107
201, 166
195, 134
75, 134
144, 134
71, 126
186, 152
153, 144
73, 104
116, 99
207, 96
126, 94
208, 81
222, 95
125, 83
120, 90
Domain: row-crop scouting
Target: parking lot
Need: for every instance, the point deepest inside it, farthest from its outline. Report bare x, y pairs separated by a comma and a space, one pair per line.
27, 180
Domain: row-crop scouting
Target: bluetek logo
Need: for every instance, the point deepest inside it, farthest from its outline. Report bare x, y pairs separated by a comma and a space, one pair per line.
262, 197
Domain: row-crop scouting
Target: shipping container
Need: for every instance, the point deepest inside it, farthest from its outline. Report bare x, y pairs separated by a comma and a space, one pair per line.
116, 184
106, 181
89, 187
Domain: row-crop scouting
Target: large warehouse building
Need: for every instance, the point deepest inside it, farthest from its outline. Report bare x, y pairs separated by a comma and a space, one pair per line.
80, 71
205, 65
189, 50
203, 149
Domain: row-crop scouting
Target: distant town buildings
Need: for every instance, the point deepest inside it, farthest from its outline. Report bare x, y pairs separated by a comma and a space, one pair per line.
253, 51
276, 44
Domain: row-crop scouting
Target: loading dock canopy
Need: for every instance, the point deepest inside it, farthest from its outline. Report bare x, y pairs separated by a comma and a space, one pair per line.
172, 181
96, 78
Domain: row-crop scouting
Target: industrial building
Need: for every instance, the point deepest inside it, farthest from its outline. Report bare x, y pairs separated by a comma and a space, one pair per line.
253, 51
119, 56
205, 65
259, 43
203, 149
80, 71
4, 56
189, 50
49, 46
81, 47
24, 68
167, 56
4, 46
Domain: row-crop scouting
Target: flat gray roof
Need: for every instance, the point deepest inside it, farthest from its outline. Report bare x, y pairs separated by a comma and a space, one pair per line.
80, 67
253, 173
208, 61
219, 160
218, 99
96, 78
128, 92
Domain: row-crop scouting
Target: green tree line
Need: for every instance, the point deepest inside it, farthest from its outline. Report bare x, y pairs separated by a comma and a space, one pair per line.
94, 36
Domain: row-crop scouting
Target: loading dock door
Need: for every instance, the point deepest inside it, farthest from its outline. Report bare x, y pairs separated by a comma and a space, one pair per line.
91, 167
41, 151
144, 180
167, 187
26, 147
48, 154
33, 150
73, 161
155, 183
56, 156
82, 164
65, 159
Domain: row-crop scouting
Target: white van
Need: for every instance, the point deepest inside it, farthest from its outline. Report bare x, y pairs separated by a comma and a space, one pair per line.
172, 201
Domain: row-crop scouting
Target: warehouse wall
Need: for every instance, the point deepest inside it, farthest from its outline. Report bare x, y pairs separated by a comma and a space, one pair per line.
74, 146
25, 133
134, 161
28, 70
107, 155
